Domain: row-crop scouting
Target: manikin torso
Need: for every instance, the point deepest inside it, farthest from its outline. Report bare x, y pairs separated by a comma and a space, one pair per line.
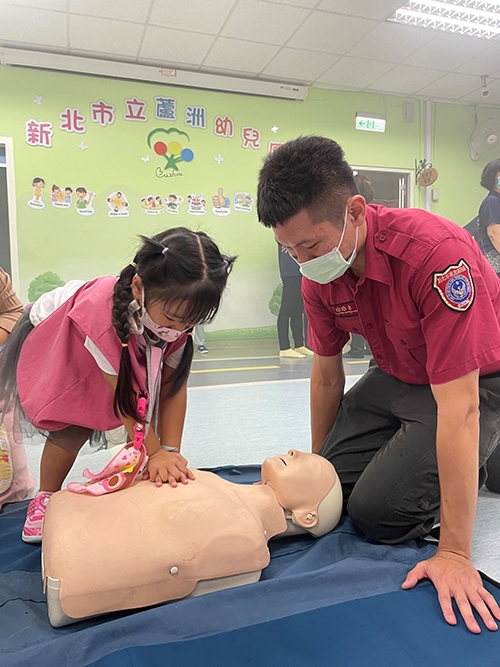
146, 544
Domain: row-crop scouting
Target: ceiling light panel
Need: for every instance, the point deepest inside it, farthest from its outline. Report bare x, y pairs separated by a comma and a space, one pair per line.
467, 17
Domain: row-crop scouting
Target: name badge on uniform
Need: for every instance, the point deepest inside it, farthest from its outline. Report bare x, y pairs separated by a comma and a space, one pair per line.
347, 309
455, 286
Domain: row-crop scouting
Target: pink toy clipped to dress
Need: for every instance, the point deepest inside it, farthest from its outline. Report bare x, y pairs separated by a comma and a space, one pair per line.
123, 468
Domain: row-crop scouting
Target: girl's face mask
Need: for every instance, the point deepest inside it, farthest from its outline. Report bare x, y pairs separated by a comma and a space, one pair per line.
165, 333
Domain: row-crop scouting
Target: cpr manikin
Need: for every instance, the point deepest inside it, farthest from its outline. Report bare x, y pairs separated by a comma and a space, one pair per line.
146, 544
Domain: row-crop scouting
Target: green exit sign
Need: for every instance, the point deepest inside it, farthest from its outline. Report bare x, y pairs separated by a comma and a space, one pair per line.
370, 123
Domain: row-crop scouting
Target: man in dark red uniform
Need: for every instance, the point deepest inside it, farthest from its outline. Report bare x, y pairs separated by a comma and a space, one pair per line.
411, 439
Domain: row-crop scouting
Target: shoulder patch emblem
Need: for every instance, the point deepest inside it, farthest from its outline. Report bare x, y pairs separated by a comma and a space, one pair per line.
455, 286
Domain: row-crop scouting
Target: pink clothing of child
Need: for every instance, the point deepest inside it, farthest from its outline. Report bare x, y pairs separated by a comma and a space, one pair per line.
59, 381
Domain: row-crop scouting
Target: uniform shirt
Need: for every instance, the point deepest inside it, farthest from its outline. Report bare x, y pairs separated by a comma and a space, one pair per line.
428, 302
489, 213
11, 308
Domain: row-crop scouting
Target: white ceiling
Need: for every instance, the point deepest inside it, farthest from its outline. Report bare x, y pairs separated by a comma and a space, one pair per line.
341, 44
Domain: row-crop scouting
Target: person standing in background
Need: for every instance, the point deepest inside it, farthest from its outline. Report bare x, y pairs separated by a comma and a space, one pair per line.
292, 308
365, 187
15, 481
488, 237
199, 338
488, 231
359, 346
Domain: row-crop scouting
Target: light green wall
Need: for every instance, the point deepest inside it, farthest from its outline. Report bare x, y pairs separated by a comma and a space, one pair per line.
459, 191
84, 247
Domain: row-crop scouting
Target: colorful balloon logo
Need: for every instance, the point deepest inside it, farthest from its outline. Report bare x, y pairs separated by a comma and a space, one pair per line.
173, 152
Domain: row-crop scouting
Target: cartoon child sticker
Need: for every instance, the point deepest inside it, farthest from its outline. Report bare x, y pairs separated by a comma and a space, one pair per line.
55, 194
152, 205
248, 201
118, 205
83, 203
243, 201
174, 201
221, 204
196, 204
38, 185
59, 197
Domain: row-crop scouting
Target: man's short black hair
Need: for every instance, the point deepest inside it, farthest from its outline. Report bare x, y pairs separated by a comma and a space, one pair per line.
306, 173
489, 173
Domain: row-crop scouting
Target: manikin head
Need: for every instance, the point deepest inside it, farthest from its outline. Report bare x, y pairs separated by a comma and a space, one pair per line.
307, 488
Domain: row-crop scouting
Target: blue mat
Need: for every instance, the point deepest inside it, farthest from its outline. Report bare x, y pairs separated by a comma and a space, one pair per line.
377, 631
332, 601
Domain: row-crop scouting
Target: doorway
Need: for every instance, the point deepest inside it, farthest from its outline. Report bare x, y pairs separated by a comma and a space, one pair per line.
393, 187
8, 228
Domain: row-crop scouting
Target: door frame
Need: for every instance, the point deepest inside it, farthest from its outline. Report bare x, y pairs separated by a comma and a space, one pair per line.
409, 172
8, 143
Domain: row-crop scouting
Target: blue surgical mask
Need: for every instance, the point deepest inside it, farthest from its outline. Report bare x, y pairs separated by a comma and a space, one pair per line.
331, 266
498, 182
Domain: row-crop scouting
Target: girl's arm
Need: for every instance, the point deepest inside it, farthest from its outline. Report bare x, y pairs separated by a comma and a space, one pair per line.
163, 466
172, 411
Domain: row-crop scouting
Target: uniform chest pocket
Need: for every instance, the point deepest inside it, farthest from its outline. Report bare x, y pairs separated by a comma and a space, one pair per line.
347, 316
408, 342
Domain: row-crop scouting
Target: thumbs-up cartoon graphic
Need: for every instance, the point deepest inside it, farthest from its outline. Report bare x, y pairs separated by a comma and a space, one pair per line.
221, 204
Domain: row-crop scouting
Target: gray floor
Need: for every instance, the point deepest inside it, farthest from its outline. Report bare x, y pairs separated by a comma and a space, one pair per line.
245, 404
486, 538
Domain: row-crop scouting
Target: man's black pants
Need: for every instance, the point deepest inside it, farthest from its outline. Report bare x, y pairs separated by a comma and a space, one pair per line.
383, 446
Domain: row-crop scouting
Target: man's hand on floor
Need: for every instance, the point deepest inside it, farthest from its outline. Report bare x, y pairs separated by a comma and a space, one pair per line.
454, 576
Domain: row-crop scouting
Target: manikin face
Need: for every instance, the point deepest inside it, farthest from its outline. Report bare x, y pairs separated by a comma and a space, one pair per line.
301, 481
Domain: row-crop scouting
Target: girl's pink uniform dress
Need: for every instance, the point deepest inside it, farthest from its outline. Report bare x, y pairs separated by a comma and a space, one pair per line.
58, 379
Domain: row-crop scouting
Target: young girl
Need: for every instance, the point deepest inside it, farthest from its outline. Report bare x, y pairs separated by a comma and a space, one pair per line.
87, 351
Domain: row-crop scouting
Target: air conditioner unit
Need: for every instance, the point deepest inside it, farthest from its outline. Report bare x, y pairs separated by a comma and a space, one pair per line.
164, 75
